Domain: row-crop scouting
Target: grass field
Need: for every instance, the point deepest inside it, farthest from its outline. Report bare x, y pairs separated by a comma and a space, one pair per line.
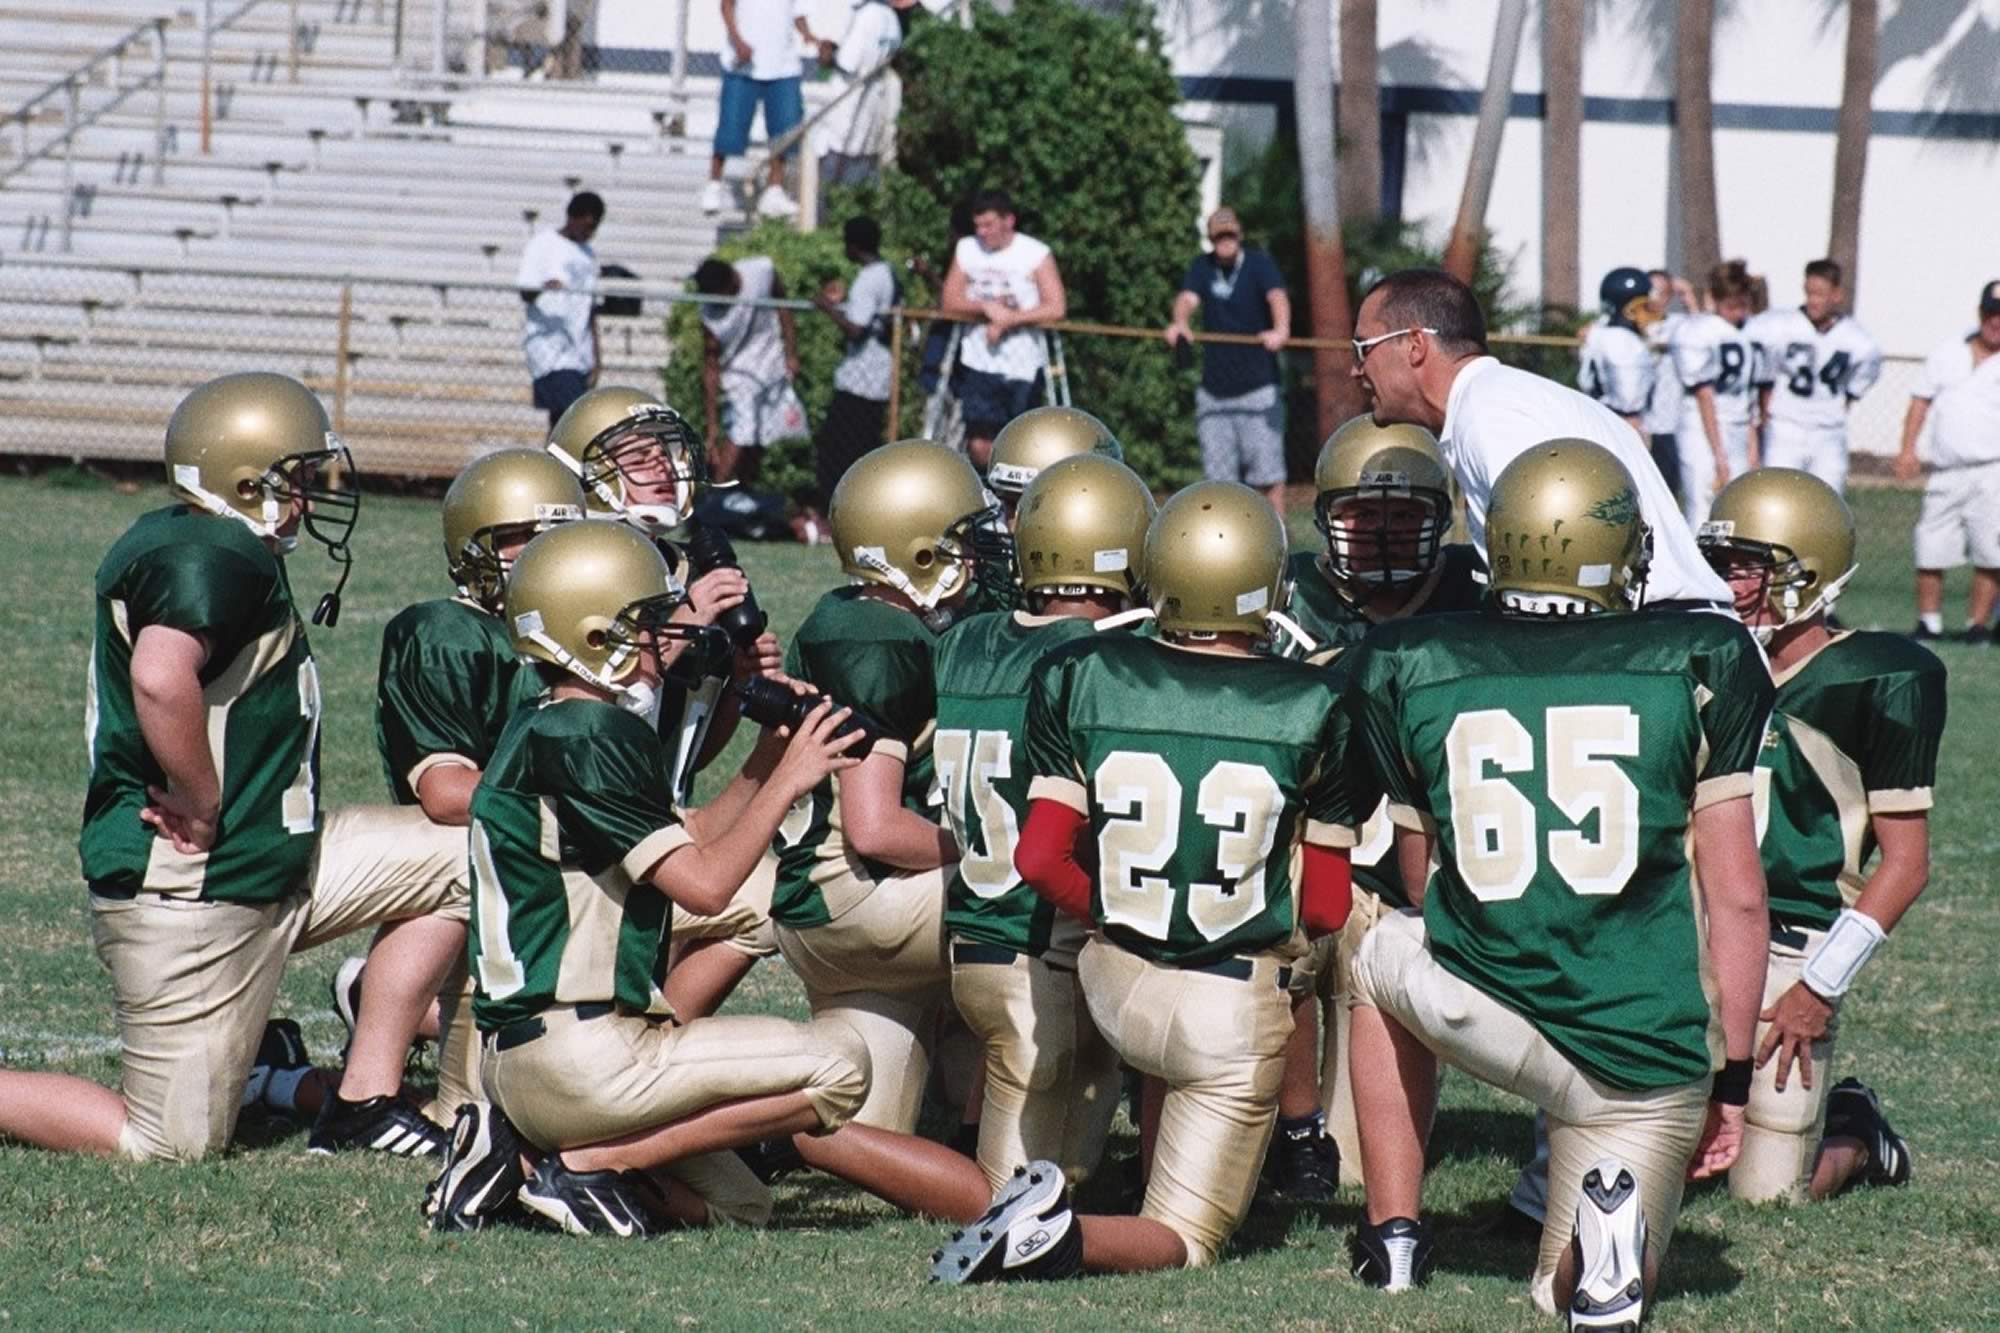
272, 1237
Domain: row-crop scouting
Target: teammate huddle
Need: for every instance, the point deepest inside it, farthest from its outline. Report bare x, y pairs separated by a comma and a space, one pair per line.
1059, 782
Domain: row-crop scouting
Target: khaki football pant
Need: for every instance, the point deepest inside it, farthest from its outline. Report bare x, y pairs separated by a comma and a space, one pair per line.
744, 925
1653, 1132
1782, 1130
586, 1080
880, 968
1219, 1044
1051, 1078
194, 981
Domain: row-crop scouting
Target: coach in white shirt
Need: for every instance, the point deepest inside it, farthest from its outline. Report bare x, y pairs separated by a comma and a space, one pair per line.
1420, 349
558, 282
1960, 393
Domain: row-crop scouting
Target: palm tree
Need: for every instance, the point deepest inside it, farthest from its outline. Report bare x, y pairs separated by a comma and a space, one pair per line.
1562, 149
1461, 256
1360, 114
1319, 196
1694, 138
1850, 152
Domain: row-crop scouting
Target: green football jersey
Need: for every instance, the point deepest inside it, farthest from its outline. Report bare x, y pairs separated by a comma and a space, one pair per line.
448, 682
570, 812
209, 576
874, 658
1559, 762
1457, 584
1200, 776
984, 668
1855, 734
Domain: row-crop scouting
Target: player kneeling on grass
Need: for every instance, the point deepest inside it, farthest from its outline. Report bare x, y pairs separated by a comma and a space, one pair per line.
1051, 1080
1201, 772
208, 857
1848, 770
1559, 751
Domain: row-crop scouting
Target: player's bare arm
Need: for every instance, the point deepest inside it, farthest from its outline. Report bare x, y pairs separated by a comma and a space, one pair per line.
166, 694
878, 824
1739, 935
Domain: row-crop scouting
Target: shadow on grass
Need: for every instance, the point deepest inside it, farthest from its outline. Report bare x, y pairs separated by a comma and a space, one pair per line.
1470, 1133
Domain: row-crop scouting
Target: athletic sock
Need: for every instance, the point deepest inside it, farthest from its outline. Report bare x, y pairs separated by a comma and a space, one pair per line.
1932, 621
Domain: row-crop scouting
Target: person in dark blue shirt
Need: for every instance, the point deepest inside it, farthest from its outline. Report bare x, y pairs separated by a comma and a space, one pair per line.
1239, 411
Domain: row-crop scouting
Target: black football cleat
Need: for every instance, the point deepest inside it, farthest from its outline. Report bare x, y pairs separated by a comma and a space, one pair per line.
585, 1203
378, 1124
1395, 1255
1303, 1166
1028, 1234
1854, 1111
481, 1173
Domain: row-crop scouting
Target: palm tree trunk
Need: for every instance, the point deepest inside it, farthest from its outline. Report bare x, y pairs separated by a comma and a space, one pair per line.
1562, 150
1694, 138
1360, 114
1850, 153
1319, 195
1461, 256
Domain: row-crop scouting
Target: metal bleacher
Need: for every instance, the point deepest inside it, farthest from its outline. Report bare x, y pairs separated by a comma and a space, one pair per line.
358, 227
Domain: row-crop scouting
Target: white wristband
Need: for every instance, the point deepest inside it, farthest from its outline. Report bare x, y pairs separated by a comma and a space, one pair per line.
1848, 946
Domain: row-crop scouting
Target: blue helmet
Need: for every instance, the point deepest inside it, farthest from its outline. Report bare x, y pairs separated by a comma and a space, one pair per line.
1620, 288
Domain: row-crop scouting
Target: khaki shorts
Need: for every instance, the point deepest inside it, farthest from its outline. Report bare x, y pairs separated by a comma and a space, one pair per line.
1782, 1130
1960, 518
1051, 1078
880, 968
1653, 1132
1219, 1045
194, 981
745, 924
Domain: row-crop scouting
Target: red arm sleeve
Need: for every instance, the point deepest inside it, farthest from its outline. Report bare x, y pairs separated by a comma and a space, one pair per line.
1327, 891
1046, 857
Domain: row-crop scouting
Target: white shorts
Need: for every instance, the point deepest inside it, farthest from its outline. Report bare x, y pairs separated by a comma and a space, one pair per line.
1697, 462
1960, 517
1817, 450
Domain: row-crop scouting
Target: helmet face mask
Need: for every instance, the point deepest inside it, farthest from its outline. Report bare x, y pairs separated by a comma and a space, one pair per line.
985, 541
302, 490
647, 468
1384, 535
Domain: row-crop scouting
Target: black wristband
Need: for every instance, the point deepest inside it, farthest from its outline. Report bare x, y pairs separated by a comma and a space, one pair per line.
1732, 1084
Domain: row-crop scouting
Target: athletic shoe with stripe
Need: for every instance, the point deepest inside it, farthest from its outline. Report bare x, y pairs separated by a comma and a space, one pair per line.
380, 1124
585, 1203
1027, 1234
1395, 1255
1611, 1247
1854, 1111
481, 1172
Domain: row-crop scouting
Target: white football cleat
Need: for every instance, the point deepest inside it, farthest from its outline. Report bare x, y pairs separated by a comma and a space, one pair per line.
1611, 1244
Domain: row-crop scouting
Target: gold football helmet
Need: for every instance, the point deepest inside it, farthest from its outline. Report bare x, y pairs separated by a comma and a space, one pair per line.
1791, 527
1564, 533
589, 597
1039, 437
1082, 526
902, 516
1215, 561
513, 489
258, 447
1384, 503
637, 458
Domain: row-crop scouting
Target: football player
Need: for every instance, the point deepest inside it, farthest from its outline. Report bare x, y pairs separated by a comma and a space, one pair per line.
1560, 754
208, 856
1714, 358
1814, 363
1848, 771
1615, 364
1384, 507
859, 903
1195, 771
1051, 1080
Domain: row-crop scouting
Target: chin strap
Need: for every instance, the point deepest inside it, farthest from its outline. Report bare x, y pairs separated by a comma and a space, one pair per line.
327, 613
1292, 630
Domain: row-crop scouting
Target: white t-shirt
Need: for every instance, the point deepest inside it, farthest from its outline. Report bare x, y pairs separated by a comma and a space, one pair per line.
555, 333
1495, 413
1616, 368
1663, 413
873, 36
1965, 404
1814, 375
864, 371
1006, 276
770, 26
1708, 349
753, 344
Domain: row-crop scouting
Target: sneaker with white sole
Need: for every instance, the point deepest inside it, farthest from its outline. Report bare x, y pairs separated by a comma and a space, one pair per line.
714, 197
775, 203
585, 1203
1611, 1250
1394, 1255
1028, 1234
481, 1173
381, 1124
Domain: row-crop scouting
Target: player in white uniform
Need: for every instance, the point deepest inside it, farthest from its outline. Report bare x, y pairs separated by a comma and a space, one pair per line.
1669, 406
1713, 358
1616, 364
1813, 362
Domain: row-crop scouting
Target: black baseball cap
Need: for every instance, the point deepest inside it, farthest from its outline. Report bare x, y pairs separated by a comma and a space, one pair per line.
1989, 299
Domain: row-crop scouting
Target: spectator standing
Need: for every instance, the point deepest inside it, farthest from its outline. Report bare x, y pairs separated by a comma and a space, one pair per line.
860, 310
1814, 363
760, 68
856, 133
1239, 412
1007, 281
1959, 392
558, 282
750, 353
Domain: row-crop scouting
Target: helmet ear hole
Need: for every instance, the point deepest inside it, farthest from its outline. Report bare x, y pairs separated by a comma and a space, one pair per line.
249, 488
595, 638
924, 558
